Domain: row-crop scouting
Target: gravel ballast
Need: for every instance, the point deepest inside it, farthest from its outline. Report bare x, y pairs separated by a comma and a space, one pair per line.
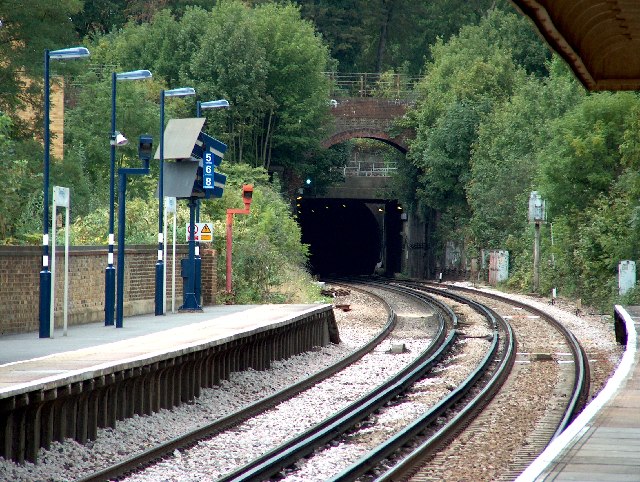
69, 460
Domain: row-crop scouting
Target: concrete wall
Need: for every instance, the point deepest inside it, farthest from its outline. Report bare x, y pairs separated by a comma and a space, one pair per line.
20, 284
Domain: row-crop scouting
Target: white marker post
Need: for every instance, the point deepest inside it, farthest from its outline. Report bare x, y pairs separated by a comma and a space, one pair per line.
170, 207
62, 198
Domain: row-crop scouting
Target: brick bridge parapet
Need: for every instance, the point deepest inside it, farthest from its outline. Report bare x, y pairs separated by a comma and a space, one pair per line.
368, 117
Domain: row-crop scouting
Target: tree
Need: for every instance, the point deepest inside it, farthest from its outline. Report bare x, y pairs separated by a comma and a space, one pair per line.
582, 159
269, 64
28, 28
504, 164
466, 81
382, 35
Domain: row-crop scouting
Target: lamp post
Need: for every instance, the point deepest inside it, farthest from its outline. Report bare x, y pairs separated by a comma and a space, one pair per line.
194, 251
45, 274
211, 104
115, 140
159, 296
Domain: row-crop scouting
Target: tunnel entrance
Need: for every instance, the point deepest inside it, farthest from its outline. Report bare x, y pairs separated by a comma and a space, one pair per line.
349, 237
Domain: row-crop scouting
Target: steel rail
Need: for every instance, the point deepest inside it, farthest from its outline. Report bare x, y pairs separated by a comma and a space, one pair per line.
411, 463
302, 445
402, 438
581, 385
191, 438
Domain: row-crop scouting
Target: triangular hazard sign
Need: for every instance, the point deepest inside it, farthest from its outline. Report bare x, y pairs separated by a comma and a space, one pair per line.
206, 229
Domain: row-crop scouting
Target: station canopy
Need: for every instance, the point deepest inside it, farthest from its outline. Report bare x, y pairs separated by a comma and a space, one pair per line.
600, 39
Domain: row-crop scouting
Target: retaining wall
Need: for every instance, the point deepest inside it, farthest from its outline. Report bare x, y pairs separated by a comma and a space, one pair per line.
20, 283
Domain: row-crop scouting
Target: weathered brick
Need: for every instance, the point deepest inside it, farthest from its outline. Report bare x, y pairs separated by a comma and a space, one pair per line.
20, 283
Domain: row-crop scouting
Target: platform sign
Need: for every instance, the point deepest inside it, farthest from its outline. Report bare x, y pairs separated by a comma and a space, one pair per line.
206, 232
207, 171
203, 232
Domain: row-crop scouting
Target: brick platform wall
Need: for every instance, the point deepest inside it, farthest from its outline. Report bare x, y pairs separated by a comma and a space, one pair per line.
20, 284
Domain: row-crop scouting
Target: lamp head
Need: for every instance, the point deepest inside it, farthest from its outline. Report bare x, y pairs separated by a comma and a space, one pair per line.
134, 75
70, 53
214, 104
179, 92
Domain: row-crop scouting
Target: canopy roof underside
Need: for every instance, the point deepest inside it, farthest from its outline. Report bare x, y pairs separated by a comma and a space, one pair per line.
600, 39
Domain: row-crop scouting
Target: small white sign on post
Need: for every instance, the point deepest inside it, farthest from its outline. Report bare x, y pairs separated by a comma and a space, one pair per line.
170, 206
61, 198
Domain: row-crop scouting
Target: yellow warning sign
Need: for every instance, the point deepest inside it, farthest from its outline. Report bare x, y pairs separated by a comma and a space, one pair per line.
203, 232
206, 233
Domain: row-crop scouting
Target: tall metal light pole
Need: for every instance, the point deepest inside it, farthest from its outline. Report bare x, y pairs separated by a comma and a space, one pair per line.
159, 295
45, 274
194, 247
110, 272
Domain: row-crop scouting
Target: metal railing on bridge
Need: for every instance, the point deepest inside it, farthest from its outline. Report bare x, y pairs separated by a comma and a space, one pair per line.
368, 168
384, 85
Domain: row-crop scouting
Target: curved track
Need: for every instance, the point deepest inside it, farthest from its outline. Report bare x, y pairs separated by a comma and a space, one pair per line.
189, 439
427, 434
411, 465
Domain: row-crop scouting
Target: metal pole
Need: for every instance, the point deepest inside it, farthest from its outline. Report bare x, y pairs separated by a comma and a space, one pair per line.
229, 244
536, 259
197, 289
52, 296
45, 274
66, 269
190, 303
160, 263
197, 282
164, 256
122, 189
173, 265
109, 273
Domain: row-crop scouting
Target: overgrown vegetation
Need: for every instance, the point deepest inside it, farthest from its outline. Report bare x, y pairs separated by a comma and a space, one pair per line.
496, 117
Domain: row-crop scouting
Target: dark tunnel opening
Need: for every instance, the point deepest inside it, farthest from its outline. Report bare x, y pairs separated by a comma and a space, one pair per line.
345, 236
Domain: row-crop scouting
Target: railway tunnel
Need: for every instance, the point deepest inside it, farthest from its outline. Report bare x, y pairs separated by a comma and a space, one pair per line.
355, 227
348, 237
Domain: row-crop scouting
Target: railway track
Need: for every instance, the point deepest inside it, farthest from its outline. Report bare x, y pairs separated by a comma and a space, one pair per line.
160, 451
447, 418
423, 464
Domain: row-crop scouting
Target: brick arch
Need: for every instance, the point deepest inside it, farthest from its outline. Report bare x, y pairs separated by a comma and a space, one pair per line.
342, 136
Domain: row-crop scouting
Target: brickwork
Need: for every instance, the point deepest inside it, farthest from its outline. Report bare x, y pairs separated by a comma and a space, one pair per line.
209, 276
20, 284
368, 117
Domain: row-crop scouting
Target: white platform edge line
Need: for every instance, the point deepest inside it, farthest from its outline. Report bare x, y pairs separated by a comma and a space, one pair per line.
572, 433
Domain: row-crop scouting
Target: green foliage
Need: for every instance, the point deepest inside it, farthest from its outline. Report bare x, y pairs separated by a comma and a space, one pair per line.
21, 178
39, 25
504, 164
375, 36
266, 242
470, 77
583, 158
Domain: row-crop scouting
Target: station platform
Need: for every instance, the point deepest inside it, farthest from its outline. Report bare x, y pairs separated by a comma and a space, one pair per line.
69, 386
603, 443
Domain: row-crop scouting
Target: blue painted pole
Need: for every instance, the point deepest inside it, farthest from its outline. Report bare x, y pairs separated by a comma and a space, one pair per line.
159, 295
45, 274
122, 191
189, 299
197, 277
110, 272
